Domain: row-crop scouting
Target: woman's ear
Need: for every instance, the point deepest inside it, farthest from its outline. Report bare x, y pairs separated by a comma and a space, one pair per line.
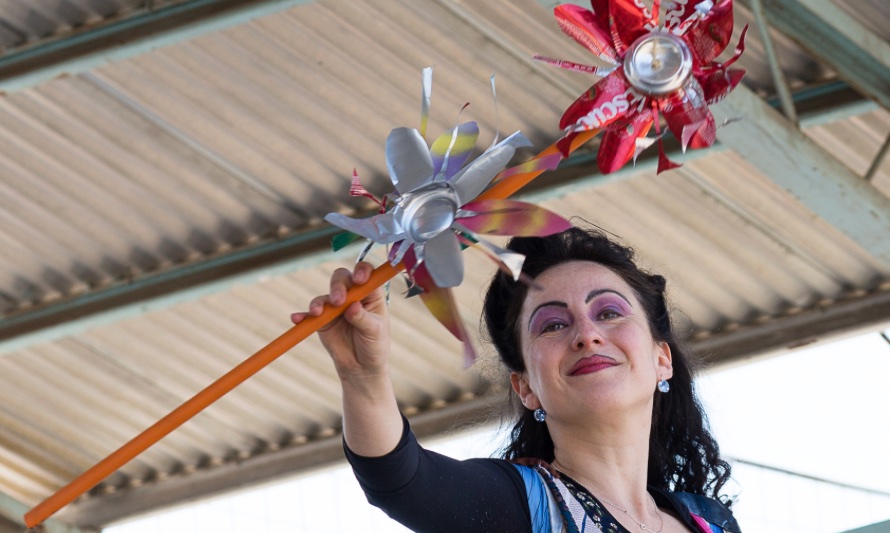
522, 389
665, 361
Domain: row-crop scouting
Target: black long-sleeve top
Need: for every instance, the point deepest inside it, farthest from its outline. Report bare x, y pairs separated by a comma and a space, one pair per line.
429, 492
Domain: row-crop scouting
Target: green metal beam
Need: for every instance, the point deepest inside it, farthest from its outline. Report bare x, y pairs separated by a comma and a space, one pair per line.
836, 39
881, 527
129, 37
797, 164
167, 288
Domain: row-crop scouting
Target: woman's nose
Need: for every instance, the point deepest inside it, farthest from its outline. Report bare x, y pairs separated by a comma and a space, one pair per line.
588, 334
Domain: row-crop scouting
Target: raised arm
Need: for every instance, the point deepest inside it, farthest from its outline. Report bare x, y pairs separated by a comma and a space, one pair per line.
358, 342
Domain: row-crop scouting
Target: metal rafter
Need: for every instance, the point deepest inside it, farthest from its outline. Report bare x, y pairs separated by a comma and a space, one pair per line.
837, 40
797, 164
132, 36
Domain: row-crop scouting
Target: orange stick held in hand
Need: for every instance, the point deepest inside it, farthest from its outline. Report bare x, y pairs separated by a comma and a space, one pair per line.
251, 366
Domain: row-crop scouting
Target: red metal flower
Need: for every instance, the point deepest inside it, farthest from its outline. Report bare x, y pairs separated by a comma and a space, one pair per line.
653, 70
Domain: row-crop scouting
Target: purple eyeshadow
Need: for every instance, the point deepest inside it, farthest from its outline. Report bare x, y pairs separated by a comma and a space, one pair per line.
610, 301
546, 316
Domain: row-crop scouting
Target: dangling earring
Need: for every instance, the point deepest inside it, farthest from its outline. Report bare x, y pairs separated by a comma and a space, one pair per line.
540, 415
664, 386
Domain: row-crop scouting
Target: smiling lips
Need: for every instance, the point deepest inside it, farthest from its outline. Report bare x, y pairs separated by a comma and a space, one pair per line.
592, 364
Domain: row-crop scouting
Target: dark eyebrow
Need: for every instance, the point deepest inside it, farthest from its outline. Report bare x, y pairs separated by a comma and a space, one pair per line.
552, 303
594, 293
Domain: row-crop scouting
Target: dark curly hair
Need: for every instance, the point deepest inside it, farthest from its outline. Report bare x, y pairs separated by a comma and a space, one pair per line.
683, 455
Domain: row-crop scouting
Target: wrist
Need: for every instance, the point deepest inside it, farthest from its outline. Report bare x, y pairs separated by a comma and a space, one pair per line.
366, 383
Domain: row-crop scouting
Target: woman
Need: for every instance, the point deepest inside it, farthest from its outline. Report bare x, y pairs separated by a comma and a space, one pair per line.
606, 394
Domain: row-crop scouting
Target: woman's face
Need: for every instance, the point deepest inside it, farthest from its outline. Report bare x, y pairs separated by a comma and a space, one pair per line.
586, 344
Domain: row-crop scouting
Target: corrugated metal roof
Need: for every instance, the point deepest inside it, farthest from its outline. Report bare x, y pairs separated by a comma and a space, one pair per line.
247, 136
27, 23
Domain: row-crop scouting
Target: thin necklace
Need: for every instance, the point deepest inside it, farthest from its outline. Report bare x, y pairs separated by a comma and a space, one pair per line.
643, 526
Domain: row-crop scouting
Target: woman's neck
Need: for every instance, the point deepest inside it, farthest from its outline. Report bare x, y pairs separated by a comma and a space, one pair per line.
611, 462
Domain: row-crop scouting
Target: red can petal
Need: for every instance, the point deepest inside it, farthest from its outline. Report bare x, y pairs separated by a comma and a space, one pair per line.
679, 12
607, 101
619, 145
628, 21
709, 36
601, 14
583, 26
689, 118
718, 83
664, 163
739, 49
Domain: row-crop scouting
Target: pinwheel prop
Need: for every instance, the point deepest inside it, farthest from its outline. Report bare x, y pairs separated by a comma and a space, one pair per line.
435, 212
489, 212
651, 70
440, 205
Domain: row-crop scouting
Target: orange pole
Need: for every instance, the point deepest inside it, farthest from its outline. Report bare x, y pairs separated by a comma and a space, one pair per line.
248, 368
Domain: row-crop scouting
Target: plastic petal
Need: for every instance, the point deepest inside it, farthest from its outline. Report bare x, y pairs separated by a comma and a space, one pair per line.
441, 304
425, 96
708, 37
408, 159
441, 256
452, 149
473, 179
344, 239
620, 145
399, 252
583, 26
511, 217
547, 162
379, 228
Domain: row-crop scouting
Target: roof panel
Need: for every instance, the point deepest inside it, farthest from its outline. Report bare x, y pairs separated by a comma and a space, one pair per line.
212, 147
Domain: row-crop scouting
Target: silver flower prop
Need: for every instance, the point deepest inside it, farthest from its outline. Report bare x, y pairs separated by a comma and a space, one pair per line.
429, 198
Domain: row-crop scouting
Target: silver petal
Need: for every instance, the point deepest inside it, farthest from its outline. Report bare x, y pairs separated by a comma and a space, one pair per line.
408, 159
443, 261
473, 179
510, 260
379, 228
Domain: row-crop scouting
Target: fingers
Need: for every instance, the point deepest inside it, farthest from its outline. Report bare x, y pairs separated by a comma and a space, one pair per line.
341, 281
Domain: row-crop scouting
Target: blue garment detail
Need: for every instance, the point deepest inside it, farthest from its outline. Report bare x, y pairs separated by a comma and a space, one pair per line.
538, 499
718, 516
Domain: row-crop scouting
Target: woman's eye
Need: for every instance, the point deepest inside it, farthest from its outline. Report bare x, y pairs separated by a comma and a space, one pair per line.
609, 314
552, 326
